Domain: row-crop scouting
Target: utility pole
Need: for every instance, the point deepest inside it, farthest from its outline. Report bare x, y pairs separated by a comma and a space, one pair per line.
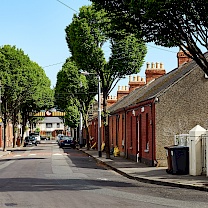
99, 119
80, 131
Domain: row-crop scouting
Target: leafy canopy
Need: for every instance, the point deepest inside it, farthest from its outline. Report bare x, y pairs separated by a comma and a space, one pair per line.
168, 23
86, 36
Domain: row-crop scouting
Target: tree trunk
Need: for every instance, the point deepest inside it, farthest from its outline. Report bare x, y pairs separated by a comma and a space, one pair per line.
106, 127
24, 121
5, 125
14, 129
87, 131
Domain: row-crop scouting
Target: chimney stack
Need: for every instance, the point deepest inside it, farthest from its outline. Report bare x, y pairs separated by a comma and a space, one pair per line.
182, 57
154, 71
135, 82
111, 100
122, 91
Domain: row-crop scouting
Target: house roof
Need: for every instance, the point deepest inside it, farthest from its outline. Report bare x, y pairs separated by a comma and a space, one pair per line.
52, 120
154, 88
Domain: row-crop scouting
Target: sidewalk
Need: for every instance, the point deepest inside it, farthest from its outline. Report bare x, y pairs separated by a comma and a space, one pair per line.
141, 172
154, 175
8, 150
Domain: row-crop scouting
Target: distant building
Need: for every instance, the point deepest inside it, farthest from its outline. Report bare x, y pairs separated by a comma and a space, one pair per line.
51, 126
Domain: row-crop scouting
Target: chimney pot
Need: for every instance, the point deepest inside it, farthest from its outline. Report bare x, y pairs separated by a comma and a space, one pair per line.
138, 78
148, 65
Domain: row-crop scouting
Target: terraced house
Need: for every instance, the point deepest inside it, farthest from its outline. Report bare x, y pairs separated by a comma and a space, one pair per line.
148, 113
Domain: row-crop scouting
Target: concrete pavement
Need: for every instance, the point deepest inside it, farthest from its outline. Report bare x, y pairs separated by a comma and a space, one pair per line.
154, 175
139, 171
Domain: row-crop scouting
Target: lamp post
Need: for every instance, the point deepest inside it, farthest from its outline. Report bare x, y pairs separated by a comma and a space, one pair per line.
99, 119
99, 114
80, 131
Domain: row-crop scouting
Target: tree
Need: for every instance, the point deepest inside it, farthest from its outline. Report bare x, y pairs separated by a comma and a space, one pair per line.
25, 87
167, 23
86, 35
74, 93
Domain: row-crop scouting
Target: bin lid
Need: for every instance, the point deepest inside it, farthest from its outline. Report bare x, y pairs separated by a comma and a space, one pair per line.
169, 147
178, 147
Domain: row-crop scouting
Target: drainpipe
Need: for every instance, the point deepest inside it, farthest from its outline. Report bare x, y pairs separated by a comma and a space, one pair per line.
153, 130
125, 142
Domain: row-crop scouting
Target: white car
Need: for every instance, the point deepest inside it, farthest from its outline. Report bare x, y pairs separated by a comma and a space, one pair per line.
37, 136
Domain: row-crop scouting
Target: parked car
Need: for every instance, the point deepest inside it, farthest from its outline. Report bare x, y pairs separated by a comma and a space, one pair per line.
44, 138
30, 140
67, 141
36, 135
59, 137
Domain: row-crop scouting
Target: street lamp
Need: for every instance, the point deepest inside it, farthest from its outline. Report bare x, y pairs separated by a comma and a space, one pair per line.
99, 113
99, 119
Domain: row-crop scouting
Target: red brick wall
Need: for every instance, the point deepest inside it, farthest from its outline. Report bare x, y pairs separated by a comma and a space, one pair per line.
145, 129
119, 128
1, 137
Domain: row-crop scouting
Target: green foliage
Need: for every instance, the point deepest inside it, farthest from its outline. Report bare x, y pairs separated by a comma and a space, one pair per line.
72, 114
37, 130
167, 23
86, 35
73, 92
25, 86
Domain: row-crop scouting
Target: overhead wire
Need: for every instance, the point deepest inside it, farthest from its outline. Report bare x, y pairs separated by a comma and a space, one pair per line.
67, 6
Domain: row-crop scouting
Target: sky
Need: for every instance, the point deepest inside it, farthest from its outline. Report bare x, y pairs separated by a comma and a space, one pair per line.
38, 28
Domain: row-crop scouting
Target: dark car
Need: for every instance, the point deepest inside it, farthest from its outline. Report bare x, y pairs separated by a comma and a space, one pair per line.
30, 140
67, 141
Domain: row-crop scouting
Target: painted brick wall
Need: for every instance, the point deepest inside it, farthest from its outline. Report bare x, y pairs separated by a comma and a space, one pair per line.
180, 109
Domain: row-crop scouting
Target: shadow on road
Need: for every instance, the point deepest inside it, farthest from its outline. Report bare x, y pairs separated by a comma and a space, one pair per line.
37, 184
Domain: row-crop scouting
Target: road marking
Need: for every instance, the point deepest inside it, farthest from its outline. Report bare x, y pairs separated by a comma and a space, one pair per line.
57, 154
6, 164
17, 155
103, 179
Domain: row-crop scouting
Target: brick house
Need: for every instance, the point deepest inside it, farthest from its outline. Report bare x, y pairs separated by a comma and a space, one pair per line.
9, 135
143, 122
146, 115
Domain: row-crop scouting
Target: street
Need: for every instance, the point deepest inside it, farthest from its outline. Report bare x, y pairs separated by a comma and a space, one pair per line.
46, 176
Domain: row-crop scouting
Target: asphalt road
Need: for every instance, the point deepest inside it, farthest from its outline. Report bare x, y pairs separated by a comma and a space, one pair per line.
49, 177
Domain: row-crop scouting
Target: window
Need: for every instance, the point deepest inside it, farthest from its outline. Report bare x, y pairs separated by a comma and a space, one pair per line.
58, 125
131, 144
147, 132
48, 125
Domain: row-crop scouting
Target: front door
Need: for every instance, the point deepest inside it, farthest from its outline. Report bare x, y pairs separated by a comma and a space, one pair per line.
139, 140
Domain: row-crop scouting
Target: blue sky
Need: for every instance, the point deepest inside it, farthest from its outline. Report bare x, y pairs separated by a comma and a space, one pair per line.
38, 28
